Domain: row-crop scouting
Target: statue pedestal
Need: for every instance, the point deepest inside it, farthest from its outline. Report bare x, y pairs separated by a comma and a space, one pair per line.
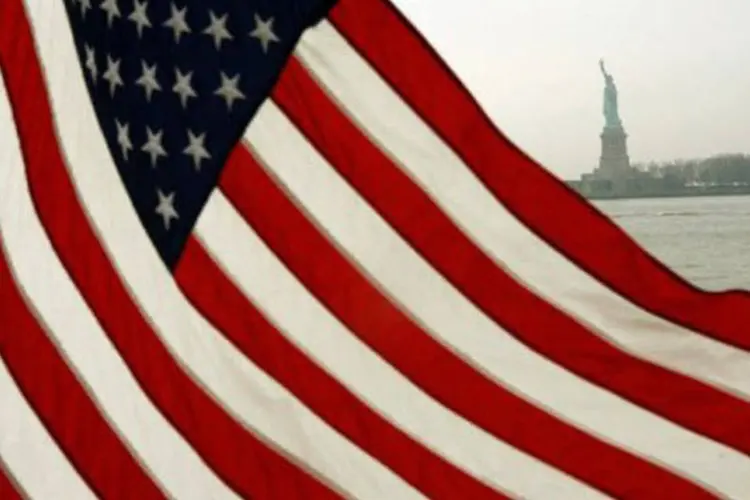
614, 177
614, 161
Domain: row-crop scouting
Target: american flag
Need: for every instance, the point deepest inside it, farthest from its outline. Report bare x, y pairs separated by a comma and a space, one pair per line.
274, 249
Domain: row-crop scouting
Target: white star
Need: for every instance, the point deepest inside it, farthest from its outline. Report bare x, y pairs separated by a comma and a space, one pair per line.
264, 32
153, 145
196, 149
148, 80
123, 139
85, 5
177, 22
166, 209
91, 62
218, 29
112, 10
112, 75
229, 90
139, 16
183, 87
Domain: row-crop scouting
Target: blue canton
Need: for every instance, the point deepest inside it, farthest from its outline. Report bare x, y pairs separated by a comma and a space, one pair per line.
174, 85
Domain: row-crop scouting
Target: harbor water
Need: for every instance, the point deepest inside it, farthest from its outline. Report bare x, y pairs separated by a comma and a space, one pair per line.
706, 240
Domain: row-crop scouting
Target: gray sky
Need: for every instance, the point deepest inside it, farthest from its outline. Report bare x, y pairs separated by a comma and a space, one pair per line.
682, 68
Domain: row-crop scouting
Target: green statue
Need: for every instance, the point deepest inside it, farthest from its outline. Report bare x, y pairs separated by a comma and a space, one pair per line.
611, 113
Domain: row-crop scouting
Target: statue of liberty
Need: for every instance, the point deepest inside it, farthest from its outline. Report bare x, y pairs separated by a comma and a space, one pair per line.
611, 113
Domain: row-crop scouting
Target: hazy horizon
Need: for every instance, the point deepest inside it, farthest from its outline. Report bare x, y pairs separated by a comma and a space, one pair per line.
684, 89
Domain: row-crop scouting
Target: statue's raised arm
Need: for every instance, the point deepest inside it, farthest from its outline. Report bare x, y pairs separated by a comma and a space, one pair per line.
604, 70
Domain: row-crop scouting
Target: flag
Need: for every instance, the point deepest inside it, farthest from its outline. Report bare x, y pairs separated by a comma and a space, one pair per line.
274, 249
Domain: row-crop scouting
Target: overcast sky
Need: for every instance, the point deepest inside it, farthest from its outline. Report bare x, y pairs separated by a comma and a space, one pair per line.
682, 68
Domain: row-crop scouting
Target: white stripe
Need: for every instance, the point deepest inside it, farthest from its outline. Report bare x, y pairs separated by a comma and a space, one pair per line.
451, 318
382, 115
239, 386
267, 282
72, 327
29, 453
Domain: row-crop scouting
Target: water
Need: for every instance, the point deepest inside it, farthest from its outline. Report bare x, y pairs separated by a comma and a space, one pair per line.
706, 240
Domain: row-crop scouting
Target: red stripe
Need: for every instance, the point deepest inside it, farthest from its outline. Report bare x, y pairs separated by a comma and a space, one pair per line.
8, 489
244, 462
529, 318
573, 227
440, 373
61, 403
225, 306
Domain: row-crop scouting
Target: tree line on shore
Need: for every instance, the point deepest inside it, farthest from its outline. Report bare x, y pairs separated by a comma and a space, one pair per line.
723, 169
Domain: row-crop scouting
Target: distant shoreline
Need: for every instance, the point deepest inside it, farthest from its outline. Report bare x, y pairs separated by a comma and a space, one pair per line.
696, 192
